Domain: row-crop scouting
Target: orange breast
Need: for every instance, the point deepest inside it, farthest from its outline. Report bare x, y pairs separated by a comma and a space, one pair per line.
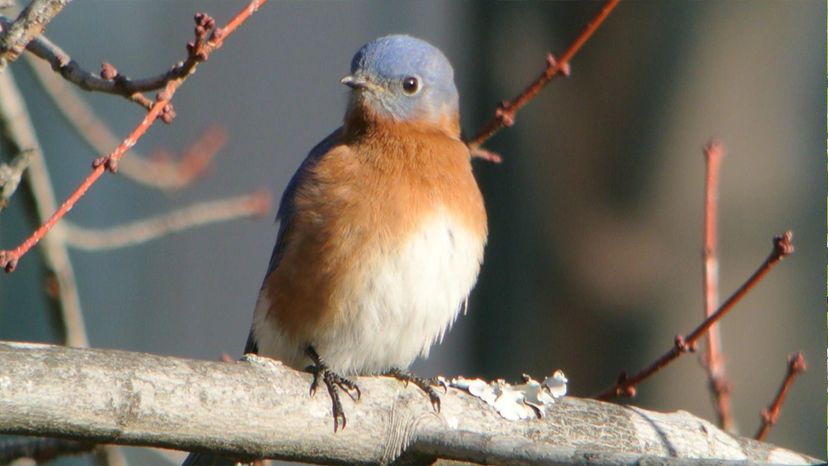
359, 202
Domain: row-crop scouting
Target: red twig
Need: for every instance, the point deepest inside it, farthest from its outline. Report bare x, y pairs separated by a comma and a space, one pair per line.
10, 258
713, 359
625, 385
109, 80
159, 170
206, 42
507, 110
796, 365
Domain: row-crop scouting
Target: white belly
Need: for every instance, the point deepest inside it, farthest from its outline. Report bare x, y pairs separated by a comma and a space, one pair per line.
405, 301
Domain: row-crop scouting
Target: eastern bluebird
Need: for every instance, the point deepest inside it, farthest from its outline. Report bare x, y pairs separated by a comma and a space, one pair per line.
382, 229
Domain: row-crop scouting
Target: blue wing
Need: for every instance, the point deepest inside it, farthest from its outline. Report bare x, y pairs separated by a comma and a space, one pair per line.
286, 210
286, 206
284, 216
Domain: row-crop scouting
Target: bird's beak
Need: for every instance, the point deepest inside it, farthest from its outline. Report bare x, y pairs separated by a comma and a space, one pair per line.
354, 82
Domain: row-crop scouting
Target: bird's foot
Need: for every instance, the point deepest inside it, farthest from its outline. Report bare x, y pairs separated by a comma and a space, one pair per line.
334, 382
426, 384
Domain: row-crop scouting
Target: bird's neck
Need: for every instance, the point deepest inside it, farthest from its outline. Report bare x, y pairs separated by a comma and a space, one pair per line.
361, 121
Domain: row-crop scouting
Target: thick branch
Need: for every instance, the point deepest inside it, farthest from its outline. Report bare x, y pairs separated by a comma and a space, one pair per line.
259, 408
29, 24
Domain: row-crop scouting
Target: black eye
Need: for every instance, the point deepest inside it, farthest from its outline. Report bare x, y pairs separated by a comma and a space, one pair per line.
411, 85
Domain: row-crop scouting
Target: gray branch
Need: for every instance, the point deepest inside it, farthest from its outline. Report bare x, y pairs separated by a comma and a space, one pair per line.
260, 408
62, 63
31, 22
17, 129
11, 174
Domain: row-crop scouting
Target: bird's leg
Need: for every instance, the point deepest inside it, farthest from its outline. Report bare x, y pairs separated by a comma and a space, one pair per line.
427, 385
333, 382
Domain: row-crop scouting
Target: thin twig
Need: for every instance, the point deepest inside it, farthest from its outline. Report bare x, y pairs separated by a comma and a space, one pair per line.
625, 385
713, 359
167, 173
796, 365
19, 131
30, 23
10, 175
485, 154
111, 82
133, 233
507, 110
203, 46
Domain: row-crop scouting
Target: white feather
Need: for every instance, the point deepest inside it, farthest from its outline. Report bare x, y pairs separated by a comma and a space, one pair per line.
408, 299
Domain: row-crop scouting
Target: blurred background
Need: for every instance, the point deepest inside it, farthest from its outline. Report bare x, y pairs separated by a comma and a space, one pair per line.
594, 257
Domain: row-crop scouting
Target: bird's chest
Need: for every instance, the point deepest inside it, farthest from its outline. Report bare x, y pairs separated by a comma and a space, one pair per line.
402, 296
382, 250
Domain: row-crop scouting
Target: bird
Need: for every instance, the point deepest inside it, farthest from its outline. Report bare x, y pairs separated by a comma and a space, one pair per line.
382, 230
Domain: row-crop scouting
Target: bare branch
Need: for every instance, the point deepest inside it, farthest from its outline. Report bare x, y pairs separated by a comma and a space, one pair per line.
208, 39
167, 173
141, 399
625, 385
19, 131
507, 110
796, 366
110, 81
10, 175
71, 71
29, 24
137, 232
713, 359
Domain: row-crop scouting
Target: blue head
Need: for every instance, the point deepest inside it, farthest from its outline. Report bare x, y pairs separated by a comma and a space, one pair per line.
403, 78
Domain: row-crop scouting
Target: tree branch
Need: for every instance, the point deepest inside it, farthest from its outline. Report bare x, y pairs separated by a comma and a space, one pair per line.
713, 359
208, 39
11, 174
148, 229
29, 24
71, 71
625, 385
260, 408
110, 81
18, 129
165, 173
507, 110
796, 366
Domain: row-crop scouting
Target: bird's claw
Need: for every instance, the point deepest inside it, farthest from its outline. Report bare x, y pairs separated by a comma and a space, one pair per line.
333, 382
425, 384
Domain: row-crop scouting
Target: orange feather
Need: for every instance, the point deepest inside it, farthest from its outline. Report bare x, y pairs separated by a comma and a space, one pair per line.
374, 186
